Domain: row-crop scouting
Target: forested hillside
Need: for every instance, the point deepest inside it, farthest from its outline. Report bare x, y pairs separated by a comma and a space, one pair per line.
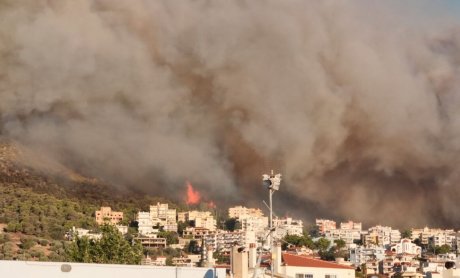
38, 205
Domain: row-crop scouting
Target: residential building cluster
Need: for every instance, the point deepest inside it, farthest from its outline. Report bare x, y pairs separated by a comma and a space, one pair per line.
349, 231
378, 250
437, 237
382, 250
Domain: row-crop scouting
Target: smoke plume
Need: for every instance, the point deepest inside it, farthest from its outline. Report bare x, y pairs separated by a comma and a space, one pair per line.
355, 102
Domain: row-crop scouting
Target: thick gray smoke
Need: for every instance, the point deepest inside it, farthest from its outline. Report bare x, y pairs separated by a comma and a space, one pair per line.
357, 104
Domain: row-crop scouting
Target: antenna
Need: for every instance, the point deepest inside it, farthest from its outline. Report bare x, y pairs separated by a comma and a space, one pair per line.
272, 182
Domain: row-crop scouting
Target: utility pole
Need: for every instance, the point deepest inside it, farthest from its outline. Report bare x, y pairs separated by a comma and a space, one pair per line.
272, 182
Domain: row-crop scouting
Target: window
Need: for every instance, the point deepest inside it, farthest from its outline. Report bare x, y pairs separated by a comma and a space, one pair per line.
302, 275
330, 276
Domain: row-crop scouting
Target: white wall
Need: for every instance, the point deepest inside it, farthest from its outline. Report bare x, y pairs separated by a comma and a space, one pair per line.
317, 272
24, 269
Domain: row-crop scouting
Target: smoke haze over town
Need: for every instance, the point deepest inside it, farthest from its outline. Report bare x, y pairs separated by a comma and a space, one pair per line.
356, 103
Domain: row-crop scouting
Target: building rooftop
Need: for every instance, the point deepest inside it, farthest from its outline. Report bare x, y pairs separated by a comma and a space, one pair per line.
298, 260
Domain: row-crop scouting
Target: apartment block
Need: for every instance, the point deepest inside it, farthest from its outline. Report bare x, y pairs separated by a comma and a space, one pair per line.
202, 219
325, 225
256, 224
243, 212
197, 232
287, 226
444, 238
381, 236
145, 224
106, 215
424, 234
360, 255
347, 235
163, 216
224, 240
350, 225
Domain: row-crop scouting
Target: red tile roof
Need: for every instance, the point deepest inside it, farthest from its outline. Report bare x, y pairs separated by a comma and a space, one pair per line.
298, 260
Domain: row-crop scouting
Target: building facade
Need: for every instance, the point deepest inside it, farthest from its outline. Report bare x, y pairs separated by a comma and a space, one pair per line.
242, 212
287, 226
406, 247
202, 219
381, 236
350, 225
325, 225
106, 215
163, 216
360, 255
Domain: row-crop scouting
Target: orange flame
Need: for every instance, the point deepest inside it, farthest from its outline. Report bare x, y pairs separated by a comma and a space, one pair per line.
193, 196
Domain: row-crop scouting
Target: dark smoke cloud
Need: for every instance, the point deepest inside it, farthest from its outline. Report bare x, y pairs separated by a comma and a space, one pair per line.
356, 102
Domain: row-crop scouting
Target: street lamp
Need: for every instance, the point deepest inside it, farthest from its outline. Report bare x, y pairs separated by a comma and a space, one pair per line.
272, 182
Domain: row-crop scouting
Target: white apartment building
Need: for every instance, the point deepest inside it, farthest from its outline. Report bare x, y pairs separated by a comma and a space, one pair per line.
202, 219
406, 247
457, 241
382, 236
287, 226
325, 225
163, 216
350, 225
224, 240
426, 233
444, 238
158, 215
208, 223
360, 254
145, 224
242, 212
197, 233
256, 224
348, 235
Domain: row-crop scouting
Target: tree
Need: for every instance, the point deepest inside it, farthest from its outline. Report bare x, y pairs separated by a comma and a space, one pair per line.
232, 224
418, 242
290, 240
111, 248
27, 243
442, 249
171, 237
181, 227
313, 231
193, 247
328, 255
406, 234
169, 261
298, 241
322, 244
340, 243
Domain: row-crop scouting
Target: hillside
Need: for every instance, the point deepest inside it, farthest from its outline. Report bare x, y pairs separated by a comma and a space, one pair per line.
42, 199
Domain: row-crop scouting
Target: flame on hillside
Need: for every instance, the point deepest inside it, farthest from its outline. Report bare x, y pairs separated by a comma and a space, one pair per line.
193, 196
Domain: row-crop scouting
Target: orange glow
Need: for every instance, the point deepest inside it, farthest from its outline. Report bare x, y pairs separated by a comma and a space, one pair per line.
211, 205
193, 196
